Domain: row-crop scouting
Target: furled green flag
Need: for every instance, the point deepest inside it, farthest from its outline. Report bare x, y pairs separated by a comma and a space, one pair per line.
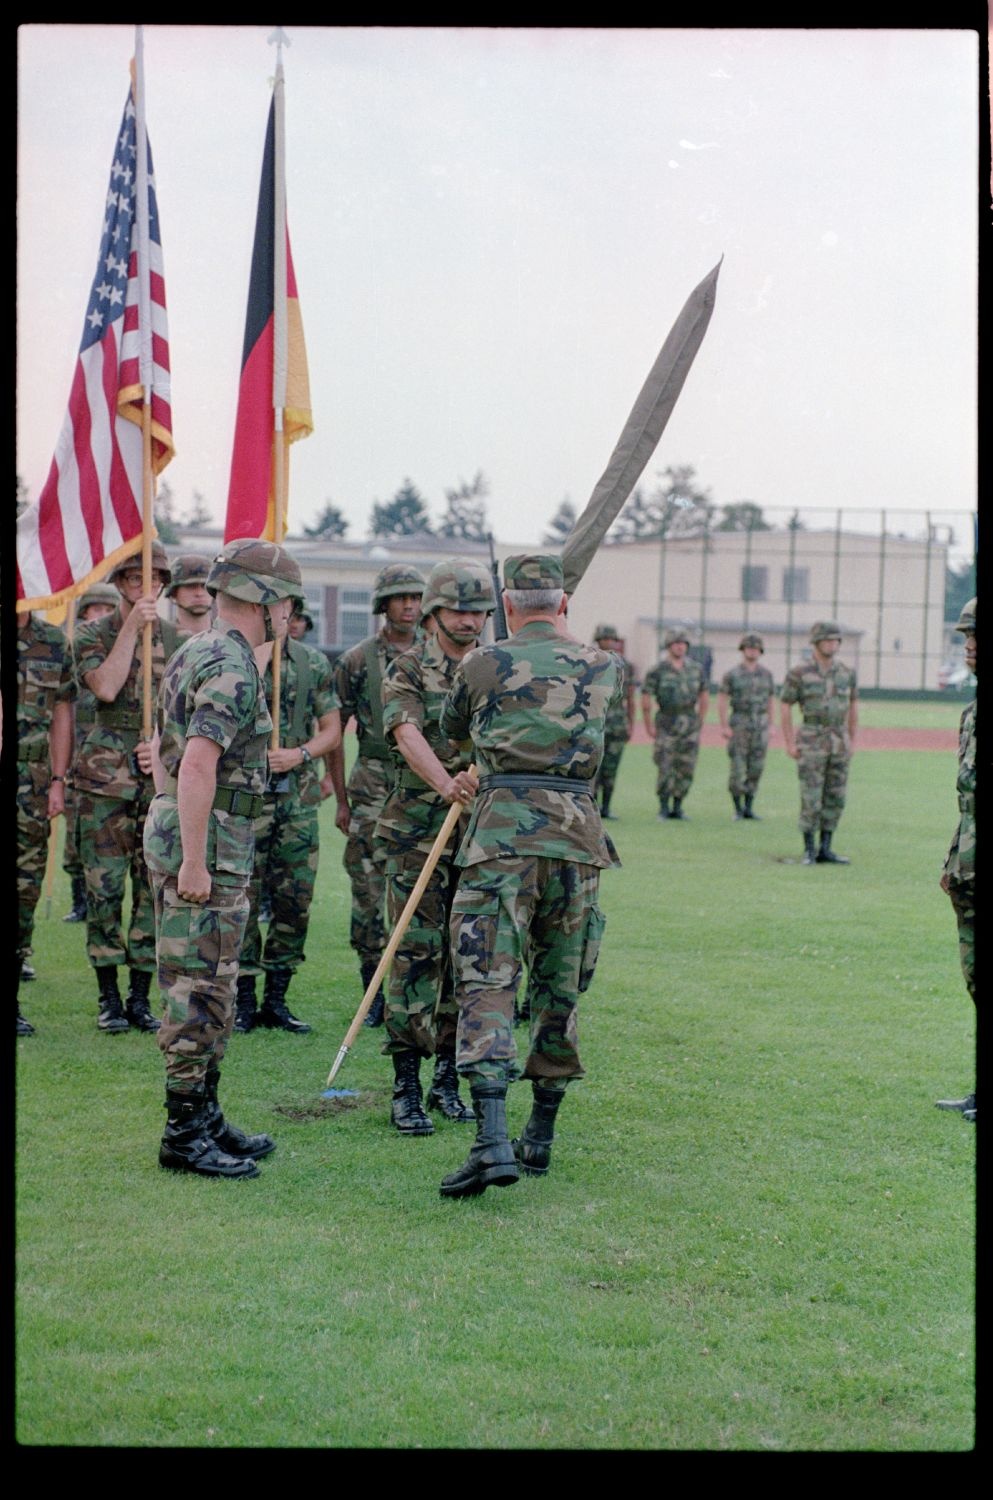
642, 431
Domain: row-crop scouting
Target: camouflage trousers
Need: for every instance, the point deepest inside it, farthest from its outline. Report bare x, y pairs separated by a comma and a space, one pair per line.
197, 949
365, 872
287, 846
110, 843
507, 911
823, 767
963, 899
421, 1013
32, 845
677, 745
747, 748
613, 749
72, 861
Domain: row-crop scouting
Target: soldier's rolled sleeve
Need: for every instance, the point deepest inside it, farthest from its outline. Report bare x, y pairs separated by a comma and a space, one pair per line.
403, 702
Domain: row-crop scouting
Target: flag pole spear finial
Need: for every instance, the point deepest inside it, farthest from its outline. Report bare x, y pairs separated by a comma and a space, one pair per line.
280, 40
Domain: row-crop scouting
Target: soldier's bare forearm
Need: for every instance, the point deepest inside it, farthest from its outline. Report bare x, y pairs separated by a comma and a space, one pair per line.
60, 739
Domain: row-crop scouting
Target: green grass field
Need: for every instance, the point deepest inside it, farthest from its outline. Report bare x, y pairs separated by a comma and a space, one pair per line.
757, 1233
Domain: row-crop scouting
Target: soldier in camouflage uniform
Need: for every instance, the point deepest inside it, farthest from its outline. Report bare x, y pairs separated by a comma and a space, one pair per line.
958, 877
188, 591
678, 693
302, 622
536, 709
114, 785
287, 841
212, 728
827, 693
430, 775
358, 682
749, 689
620, 723
45, 691
99, 599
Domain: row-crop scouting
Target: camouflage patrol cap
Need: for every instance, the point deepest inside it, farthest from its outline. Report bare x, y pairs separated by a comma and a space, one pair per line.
533, 570
751, 639
967, 619
825, 630
395, 578
459, 583
189, 567
256, 571
672, 636
160, 563
98, 593
606, 633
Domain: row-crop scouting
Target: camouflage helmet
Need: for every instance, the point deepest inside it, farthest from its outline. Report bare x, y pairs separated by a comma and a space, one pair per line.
188, 567
751, 639
256, 571
160, 563
606, 633
98, 593
967, 619
458, 583
395, 578
825, 630
672, 636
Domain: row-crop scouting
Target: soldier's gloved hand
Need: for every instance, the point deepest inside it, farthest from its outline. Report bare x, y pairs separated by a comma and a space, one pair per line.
343, 817
193, 883
143, 755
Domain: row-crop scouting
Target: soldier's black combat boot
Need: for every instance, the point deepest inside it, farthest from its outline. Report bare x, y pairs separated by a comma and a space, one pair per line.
227, 1137
739, 811
533, 1149
664, 807
244, 1006
407, 1110
78, 912
111, 1015
27, 970
809, 852
747, 813
275, 1012
677, 809
187, 1145
24, 1028
444, 1091
491, 1161
374, 1015
605, 811
826, 855
966, 1106
136, 1006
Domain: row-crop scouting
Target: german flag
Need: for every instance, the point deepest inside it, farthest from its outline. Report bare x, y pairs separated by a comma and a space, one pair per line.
252, 491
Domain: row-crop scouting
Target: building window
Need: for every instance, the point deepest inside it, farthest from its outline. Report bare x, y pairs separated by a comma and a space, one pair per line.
354, 619
754, 583
796, 585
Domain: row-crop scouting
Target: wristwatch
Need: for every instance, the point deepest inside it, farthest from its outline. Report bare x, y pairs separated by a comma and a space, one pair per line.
307, 757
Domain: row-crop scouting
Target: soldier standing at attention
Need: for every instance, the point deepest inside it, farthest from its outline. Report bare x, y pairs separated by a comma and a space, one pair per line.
212, 730
301, 623
827, 694
431, 775
958, 878
114, 786
536, 708
620, 721
749, 689
358, 682
680, 695
99, 599
187, 589
287, 840
45, 691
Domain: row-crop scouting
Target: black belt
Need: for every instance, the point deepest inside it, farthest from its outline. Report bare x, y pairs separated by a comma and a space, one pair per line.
525, 782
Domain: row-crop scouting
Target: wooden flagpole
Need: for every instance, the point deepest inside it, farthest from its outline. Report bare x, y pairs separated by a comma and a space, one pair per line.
144, 371
280, 347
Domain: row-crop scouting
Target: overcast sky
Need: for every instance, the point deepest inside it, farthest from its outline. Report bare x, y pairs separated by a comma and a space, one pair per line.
493, 231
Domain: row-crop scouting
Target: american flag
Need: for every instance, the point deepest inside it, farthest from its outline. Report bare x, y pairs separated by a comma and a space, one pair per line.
88, 515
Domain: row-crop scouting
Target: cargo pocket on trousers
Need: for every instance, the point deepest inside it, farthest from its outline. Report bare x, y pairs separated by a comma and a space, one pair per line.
592, 938
473, 928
